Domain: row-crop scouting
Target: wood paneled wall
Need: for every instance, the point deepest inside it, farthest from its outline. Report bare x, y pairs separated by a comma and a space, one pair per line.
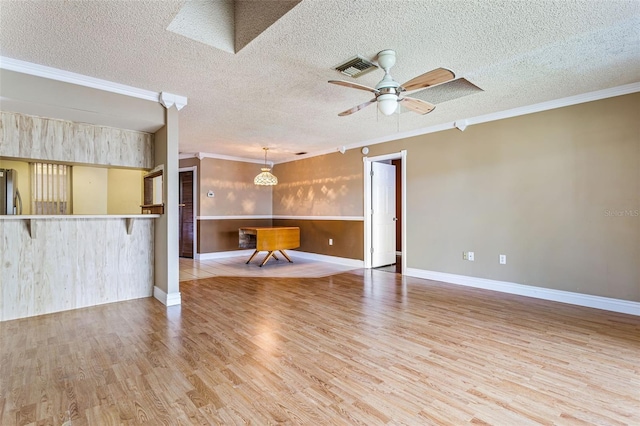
73, 263
28, 137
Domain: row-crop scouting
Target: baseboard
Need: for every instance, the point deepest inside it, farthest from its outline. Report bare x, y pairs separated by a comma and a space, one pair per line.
587, 300
329, 259
222, 254
167, 299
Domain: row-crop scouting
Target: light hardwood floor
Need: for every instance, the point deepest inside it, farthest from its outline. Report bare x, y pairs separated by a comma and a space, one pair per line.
361, 347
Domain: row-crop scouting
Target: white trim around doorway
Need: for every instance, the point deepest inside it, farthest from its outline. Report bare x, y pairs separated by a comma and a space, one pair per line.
402, 155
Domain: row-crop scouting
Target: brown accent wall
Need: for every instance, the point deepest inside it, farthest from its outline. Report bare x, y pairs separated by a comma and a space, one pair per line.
347, 235
222, 235
188, 162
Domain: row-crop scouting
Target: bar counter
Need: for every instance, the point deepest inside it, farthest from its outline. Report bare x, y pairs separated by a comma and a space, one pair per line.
61, 262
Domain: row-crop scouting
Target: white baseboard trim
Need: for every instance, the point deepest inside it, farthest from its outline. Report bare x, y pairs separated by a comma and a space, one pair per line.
587, 300
222, 254
167, 299
329, 259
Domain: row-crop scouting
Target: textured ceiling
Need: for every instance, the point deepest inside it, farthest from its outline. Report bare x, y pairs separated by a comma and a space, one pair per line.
274, 91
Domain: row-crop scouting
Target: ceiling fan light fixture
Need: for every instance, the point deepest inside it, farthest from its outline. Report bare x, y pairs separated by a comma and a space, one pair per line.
388, 103
265, 178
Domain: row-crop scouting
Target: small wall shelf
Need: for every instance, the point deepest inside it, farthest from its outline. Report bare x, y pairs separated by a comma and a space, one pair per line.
153, 190
152, 208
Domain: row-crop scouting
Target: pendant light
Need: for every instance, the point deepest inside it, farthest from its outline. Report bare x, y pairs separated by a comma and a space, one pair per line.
265, 177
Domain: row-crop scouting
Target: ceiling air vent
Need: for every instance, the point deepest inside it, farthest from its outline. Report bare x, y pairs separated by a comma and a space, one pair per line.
355, 67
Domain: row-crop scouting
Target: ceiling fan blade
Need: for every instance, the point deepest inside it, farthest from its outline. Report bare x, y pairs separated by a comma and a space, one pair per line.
353, 85
430, 78
357, 108
417, 105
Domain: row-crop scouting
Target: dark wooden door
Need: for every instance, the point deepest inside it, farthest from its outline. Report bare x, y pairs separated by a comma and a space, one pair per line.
186, 214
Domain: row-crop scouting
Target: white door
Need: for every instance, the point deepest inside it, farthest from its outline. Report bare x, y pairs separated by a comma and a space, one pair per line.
383, 214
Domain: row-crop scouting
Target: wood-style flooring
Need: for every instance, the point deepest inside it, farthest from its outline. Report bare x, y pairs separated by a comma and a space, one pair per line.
235, 266
361, 347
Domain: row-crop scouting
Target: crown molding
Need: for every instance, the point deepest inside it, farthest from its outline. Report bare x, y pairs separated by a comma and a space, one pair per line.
169, 99
37, 70
463, 123
557, 103
202, 155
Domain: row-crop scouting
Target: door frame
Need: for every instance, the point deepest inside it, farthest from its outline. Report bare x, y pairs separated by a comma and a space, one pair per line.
195, 194
402, 155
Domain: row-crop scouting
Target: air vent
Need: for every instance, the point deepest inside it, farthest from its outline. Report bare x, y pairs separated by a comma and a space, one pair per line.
355, 67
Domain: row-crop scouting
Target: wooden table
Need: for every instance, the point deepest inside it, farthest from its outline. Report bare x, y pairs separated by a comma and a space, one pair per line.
270, 240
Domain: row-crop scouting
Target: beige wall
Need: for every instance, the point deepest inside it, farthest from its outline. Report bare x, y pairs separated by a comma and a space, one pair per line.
24, 186
124, 191
233, 188
558, 192
328, 185
536, 188
89, 189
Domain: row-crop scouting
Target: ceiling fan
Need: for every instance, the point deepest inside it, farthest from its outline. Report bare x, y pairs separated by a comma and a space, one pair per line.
387, 92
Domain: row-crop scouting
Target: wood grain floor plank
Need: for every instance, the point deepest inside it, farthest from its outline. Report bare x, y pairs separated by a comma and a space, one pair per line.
359, 347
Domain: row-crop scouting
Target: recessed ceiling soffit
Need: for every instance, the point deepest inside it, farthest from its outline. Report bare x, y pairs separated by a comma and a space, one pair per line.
228, 25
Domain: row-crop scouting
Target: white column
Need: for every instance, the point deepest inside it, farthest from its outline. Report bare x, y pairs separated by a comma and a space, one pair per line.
167, 275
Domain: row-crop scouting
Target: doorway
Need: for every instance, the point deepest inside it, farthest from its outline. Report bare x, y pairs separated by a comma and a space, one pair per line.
385, 212
187, 212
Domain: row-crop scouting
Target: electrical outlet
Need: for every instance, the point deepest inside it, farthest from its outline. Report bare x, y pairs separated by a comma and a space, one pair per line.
465, 256
330, 241
470, 256
503, 259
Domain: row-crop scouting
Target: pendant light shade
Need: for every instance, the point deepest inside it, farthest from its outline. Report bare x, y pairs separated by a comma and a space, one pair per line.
265, 178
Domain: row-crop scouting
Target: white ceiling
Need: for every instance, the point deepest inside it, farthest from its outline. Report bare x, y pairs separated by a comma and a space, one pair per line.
274, 92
